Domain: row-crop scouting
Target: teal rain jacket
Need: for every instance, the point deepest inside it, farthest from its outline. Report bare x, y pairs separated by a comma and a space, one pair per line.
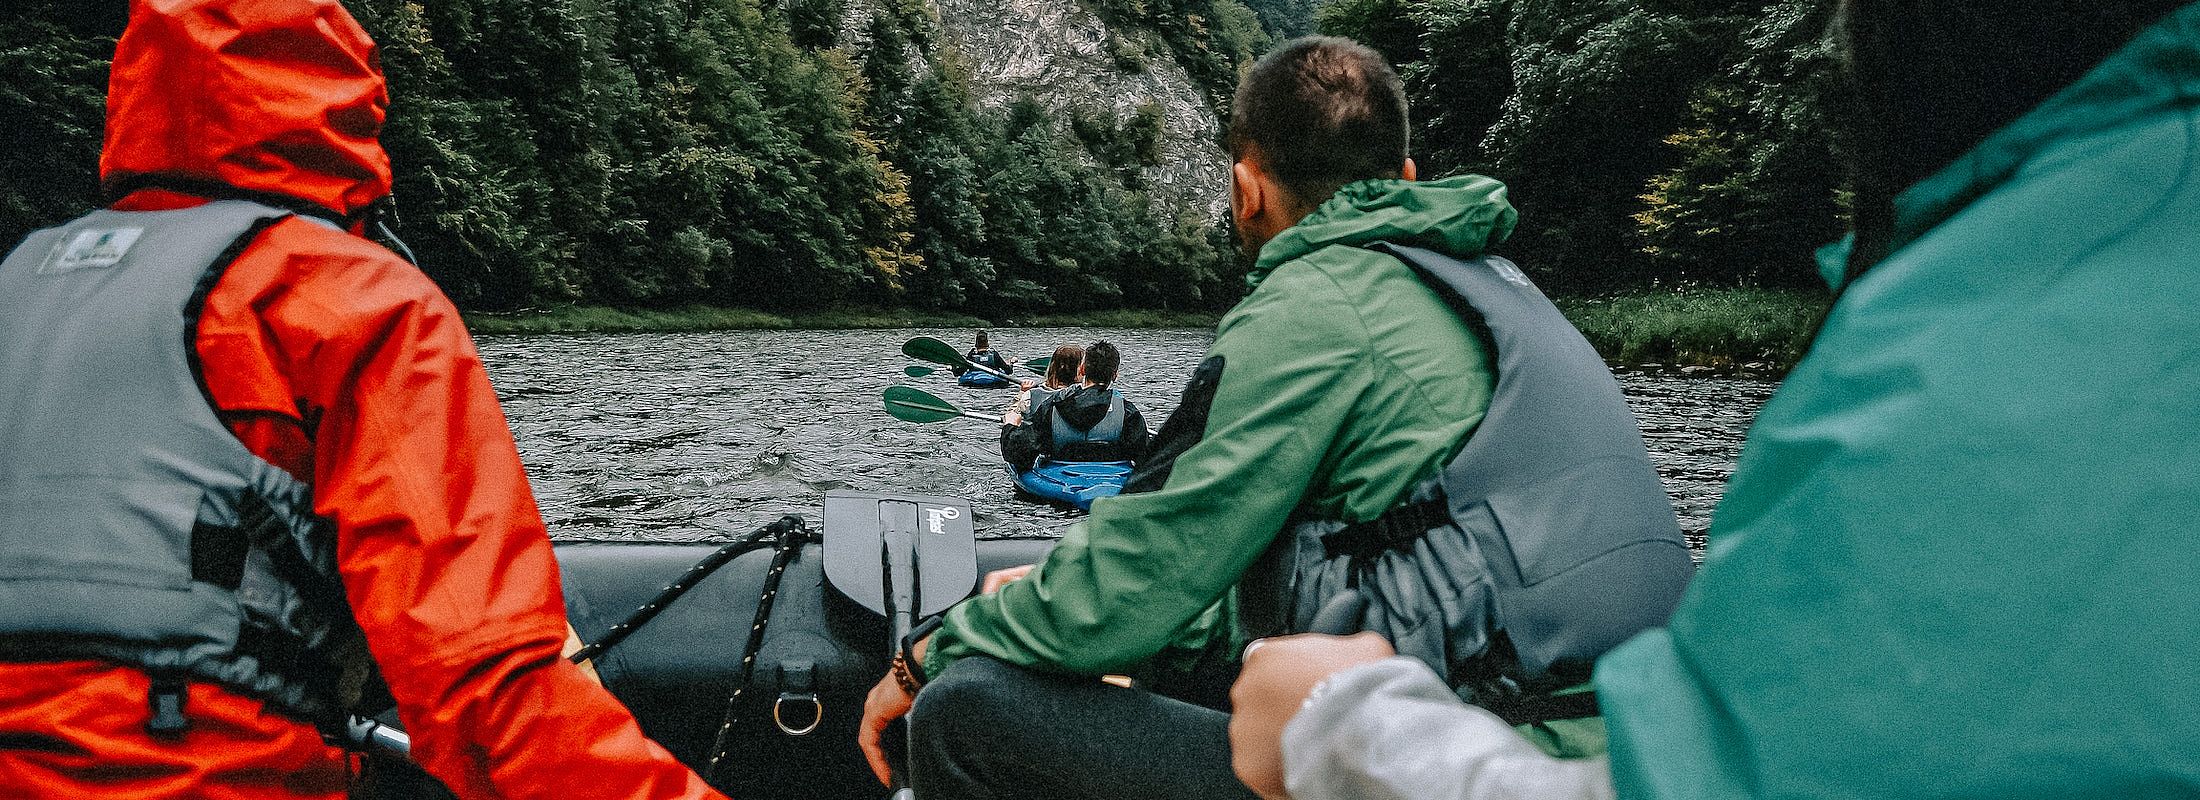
1959, 555
1346, 382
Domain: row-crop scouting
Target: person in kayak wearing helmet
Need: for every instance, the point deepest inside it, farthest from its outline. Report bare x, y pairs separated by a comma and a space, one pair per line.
252, 460
1088, 421
1949, 563
1352, 437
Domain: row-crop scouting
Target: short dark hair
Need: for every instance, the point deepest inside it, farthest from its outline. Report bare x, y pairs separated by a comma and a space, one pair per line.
1930, 81
1321, 112
1101, 362
982, 343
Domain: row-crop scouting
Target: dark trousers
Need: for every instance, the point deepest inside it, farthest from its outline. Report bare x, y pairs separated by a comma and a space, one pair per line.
986, 730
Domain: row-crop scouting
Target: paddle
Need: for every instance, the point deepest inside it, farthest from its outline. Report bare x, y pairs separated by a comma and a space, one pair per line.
910, 404
926, 348
902, 556
1038, 366
918, 372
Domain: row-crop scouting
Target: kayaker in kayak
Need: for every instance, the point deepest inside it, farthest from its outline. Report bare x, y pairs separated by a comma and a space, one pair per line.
1338, 398
1088, 421
984, 355
217, 525
1061, 374
1948, 562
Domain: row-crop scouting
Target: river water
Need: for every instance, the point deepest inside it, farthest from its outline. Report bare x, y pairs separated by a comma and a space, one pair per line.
681, 437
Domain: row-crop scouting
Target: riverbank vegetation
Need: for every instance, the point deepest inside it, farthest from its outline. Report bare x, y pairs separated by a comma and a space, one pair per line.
1728, 329
1761, 331
790, 158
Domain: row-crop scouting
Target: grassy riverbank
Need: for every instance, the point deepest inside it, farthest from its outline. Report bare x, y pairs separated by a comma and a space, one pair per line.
1756, 330
1719, 328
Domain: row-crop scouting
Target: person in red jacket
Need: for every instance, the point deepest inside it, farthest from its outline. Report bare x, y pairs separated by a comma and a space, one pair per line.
331, 358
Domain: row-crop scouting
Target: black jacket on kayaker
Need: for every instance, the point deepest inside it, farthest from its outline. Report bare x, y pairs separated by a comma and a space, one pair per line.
1081, 423
983, 354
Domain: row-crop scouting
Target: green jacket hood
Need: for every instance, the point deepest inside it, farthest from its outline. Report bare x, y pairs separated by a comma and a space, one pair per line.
1461, 216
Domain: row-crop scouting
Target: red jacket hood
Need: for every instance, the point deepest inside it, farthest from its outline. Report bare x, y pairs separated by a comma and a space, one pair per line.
271, 96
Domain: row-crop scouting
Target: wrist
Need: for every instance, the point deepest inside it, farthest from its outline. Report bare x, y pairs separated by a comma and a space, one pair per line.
908, 664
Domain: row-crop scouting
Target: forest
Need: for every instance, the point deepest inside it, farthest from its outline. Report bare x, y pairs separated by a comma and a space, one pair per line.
789, 155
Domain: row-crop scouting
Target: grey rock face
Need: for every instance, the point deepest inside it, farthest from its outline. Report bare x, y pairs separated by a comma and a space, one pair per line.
1061, 54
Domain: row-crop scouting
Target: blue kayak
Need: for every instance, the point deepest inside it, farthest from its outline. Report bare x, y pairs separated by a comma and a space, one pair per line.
1075, 483
980, 380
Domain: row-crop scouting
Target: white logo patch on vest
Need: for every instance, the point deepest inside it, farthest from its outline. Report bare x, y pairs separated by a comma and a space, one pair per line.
93, 249
936, 517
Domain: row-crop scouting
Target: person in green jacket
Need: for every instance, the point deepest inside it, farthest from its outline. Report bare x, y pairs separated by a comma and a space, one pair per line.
1330, 391
1957, 556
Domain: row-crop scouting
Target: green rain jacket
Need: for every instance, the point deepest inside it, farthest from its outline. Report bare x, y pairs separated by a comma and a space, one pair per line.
1346, 381
1959, 555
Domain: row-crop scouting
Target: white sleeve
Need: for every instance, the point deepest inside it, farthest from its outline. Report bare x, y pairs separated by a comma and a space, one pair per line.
1392, 730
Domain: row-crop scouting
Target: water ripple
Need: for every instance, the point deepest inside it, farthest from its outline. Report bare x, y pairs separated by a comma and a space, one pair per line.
700, 436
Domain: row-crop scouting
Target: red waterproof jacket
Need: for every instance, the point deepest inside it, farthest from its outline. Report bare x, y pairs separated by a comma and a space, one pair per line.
331, 357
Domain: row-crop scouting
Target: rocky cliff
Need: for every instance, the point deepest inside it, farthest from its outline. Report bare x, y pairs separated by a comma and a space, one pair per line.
1062, 54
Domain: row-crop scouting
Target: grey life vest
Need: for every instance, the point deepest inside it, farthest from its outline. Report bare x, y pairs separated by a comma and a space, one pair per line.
1108, 430
134, 526
1037, 396
1545, 542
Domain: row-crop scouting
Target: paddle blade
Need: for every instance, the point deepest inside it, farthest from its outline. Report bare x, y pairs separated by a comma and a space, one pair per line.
1038, 366
926, 348
915, 405
918, 372
865, 532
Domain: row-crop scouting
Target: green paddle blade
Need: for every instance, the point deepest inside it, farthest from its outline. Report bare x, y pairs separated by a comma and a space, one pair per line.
926, 348
917, 372
1038, 366
915, 405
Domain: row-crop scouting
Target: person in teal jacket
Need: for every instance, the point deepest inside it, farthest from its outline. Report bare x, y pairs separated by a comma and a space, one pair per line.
1957, 556
1339, 383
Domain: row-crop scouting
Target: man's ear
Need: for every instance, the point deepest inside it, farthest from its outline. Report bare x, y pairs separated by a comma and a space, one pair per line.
1246, 191
1409, 171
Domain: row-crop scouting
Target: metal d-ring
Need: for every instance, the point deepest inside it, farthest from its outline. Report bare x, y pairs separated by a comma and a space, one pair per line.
817, 713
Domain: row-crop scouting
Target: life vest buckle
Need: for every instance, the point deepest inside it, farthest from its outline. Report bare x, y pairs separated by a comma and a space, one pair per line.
166, 696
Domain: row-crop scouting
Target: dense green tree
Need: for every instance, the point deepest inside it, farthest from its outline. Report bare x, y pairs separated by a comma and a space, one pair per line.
1757, 186
52, 102
1643, 140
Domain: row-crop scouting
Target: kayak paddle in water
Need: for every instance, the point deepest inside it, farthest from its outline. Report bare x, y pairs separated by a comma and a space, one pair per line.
1038, 366
926, 348
910, 404
918, 372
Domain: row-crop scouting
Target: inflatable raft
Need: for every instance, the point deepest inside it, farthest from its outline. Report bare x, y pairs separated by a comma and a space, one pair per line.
1075, 483
795, 720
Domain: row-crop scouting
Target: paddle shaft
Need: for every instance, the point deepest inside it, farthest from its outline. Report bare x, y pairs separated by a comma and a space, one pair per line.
926, 348
898, 556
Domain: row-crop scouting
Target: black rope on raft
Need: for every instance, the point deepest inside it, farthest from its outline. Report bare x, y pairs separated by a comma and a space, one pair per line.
793, 534
755, 540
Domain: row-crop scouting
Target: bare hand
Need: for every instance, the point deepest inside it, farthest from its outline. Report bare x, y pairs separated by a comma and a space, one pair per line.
1002, 577
1279, 673
573, 645
886, 703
